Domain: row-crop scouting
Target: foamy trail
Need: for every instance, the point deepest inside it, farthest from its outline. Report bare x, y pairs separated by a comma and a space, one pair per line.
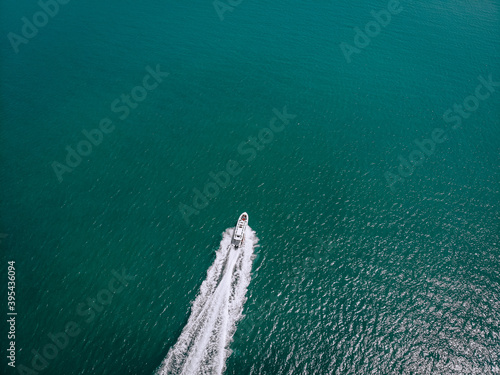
203, 346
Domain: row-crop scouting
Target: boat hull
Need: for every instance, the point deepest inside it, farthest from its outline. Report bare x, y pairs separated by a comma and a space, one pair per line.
239, 231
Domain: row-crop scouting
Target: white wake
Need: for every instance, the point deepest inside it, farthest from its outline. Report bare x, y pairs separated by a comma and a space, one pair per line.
203, 345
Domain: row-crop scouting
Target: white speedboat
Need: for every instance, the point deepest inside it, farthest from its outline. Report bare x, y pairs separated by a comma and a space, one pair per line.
239, 231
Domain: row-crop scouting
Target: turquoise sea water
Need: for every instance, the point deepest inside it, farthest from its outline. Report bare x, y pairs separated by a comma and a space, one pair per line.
351, 277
